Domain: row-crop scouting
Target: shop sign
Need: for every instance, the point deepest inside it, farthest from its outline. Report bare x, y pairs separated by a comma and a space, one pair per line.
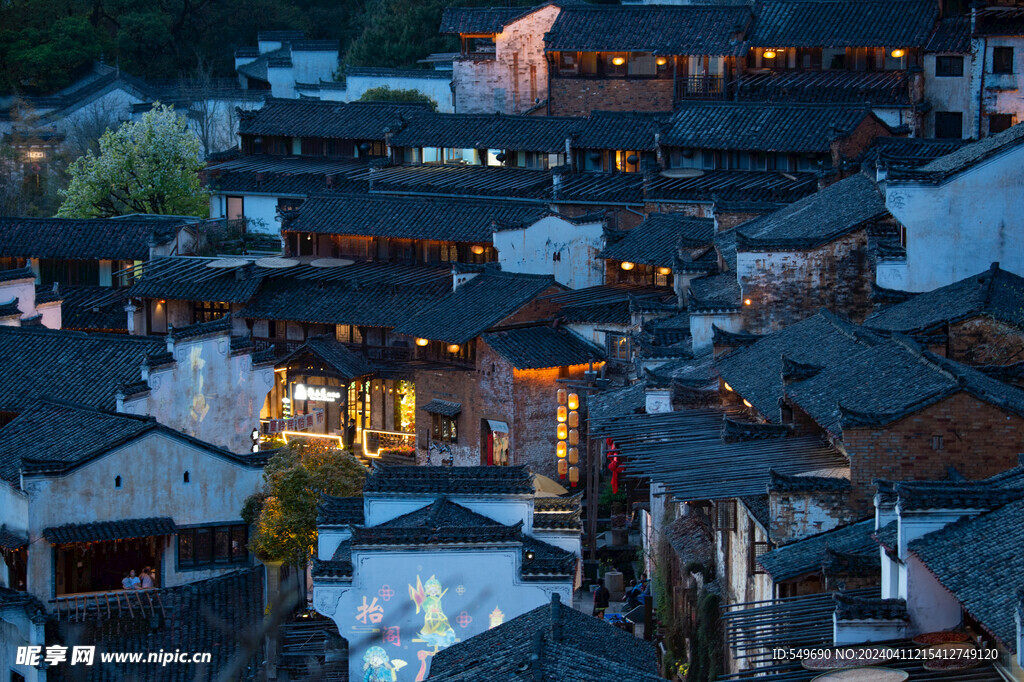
320, 394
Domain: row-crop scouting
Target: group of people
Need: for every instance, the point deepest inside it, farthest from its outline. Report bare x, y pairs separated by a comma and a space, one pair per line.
637, 593
144, 581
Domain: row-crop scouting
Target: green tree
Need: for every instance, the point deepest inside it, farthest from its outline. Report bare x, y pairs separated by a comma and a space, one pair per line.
386, 94
148, 166
283, 514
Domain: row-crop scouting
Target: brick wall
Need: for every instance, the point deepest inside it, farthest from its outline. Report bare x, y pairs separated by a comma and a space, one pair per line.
978, 439
787, 286
580, 96
796, 515
860, 139
985, 341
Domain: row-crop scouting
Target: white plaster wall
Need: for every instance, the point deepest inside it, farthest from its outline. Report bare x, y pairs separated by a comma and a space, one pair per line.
509, 511
282, 81
961, 227
531, 250
864, 631
1002, 91
113, 107
570, 541
50, 314
437, 89
476, 582
702, 328
17, 630
312, 66
22, 289
259, 209
328, 539
891, 274
931, 606
948, 93
208, 393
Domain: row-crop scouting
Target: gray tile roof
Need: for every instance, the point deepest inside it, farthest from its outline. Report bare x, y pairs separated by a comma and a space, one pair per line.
479, 20
487, 131
762, 126
558, 513
336, 355
994, 293
843, 23
184, 278
987, 494
340, 511
446, 407
552, 642
806, 556
464, 181
662, 29
910, 151
449, 219
326, 119
817, 219
755, 371
442, 521
16, 273
757, 505
715, 292
476, 306
980, 561
961, 160
91, 239
692, 540
542, 346
878, 88
625, 130
11, 541
124, 529
657, 240
436, 480
851, 607
952, 36
90, 309
785, 483
615, 402
338, 566
85, 368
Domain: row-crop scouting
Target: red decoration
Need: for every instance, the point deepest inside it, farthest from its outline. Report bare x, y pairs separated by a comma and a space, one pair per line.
615, 464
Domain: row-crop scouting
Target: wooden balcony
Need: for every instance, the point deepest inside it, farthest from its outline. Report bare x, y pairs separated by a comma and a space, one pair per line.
700, 87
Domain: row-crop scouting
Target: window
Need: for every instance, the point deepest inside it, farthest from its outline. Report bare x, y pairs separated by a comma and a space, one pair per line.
208, 311
185, 478
642, 64
726, 515
618, 347
949, 66
205, 547
117, 481
614, 63
1002, 60
348, 333
997, 123
949, 124
568, 63
757, 549
445, 428
936, 443
235, 208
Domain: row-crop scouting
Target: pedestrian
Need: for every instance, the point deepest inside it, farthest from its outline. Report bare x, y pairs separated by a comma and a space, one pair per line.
601, 598
146, 580
350, 434
131, 581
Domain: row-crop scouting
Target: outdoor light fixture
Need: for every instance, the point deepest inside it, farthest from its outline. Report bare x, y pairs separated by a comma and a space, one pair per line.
662, 61
897, 53
563, 468
453, 348
560, 449
574, 455
477, 249
626, 265
747, 301
618, 61
561, 396
562, 413
529, 556
769, 54
574, 476
747, 403
574, 437
665, 271
422, 342
727, 386
574, 400
255, 435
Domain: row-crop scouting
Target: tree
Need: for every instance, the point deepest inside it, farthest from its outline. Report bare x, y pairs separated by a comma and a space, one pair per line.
283, 514
148, 166
386, 94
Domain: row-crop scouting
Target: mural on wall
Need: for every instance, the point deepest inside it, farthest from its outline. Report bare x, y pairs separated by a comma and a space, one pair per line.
378, 666
436, 631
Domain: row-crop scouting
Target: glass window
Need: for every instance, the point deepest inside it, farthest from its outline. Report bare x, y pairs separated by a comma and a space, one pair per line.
208, 311
949, 66
1002, 60
204, 547
588, 63
642, 64
445, 428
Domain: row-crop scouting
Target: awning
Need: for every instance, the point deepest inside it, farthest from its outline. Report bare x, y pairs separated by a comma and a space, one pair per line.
11, 541
443, 407
110, 530
497, 426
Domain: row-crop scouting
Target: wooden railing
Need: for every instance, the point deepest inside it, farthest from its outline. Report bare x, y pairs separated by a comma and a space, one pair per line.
76, 607
700, 87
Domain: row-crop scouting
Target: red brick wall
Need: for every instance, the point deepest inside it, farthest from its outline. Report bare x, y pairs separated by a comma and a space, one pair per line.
985, 341
979, 439
580, 96
861, 138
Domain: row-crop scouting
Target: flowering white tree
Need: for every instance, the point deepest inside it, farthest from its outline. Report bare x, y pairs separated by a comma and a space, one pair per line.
148, 166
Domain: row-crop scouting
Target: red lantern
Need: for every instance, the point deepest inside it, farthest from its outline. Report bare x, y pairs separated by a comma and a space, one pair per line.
563, 468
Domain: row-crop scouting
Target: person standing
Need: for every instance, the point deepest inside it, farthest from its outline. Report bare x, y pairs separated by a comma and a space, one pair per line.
350, 435
146, 580
601, 598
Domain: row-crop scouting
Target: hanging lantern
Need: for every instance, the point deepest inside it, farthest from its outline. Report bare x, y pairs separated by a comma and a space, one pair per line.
574, 455
574, 476
626, 265
563, 432
561, 396
665, 271
897, 53
563, 468
453, 348
422, 342
574, 437
562, 414
574, 401
560, 449
769, 54
661, 61
477, 249
574, 419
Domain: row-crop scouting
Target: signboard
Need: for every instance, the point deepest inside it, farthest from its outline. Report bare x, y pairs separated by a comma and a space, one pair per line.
297, 423
320, 394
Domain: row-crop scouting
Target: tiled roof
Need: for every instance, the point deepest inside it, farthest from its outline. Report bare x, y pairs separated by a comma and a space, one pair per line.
84, 368
786, 483
762, 126
473, 480
16, 273
657, 240
628, 130
716, 185
819, 218
89, 308
184, 278
755, 371
338, 566
286, 175
110, 530
551, 642
843, 23
692, 540
805, 556
447, 408
994, 293
615, 402
961, 160
325, 119
850, 607
479, 20
336, 355
457, 220
558, 513
542, 346
475, 307
889, 381
340, 511
389, 72
999, 21
487, 131
715, 292
980, 561
911, 151
704, 30
987, 494
888, 535
952, 35
442, 521
758, 507
11, 541
463, 181
92, 239
878, 88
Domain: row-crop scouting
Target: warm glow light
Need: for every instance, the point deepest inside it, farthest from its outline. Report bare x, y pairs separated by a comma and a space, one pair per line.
562, 414
477, 249
897, 53
769, 54
560, 448
453, 348
618, 61
561, 396
563, 468
662, 61
574, 419
626, 265
727, 386
664, 271
747, 301
563, 432
574, 437
422, 342
574, 401
747, 403
574, 455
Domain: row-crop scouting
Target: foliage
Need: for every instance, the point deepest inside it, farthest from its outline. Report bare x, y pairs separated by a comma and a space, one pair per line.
149, 166
606, 499
706, 644
283, 514
386, 94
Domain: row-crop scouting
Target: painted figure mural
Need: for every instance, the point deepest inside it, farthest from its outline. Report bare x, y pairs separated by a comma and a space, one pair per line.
378, 666
436, 632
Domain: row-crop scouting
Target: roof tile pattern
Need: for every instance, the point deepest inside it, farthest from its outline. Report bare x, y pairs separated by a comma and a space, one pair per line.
124, 529
628, 130
340, 511
657, 240
806, 556
842, 23
542, 346
487, 131
325, 119
475, 480
93, 239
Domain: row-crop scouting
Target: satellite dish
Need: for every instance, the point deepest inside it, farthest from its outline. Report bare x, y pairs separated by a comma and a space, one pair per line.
277, 262
331, 262
682, 173
228, 263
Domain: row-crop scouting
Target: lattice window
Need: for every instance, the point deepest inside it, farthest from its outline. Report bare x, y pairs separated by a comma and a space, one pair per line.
726, 515
757, 550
